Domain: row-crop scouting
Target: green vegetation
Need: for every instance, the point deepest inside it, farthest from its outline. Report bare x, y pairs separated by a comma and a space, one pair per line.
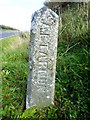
6, 28
72, 91
14, 75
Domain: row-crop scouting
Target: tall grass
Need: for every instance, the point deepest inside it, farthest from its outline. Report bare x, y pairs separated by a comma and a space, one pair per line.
72, 83
14, 75
72, 92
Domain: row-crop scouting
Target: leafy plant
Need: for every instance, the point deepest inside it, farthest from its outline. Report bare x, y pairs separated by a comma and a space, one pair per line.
72, 92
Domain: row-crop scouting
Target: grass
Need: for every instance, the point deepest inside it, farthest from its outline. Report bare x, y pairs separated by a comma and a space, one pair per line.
14, 75
72, 92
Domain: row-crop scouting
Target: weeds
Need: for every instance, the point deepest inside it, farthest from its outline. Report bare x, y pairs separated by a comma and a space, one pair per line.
72, 92
14, 75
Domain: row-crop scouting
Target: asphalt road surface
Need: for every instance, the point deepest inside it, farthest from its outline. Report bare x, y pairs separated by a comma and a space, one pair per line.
4, 35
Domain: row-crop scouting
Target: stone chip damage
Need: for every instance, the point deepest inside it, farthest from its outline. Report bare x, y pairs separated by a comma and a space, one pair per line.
42, 58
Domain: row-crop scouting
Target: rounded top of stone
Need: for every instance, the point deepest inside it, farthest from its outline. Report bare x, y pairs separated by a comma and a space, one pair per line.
42, 11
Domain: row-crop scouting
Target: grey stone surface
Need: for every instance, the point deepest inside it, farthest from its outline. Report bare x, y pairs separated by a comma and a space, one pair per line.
42, 59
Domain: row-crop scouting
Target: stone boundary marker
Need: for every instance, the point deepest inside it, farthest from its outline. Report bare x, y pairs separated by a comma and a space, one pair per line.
42, 58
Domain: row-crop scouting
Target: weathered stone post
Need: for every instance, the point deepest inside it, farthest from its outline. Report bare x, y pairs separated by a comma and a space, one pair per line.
42, 59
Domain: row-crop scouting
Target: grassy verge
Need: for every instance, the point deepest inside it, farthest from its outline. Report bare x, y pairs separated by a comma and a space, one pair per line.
14, 75
72, 91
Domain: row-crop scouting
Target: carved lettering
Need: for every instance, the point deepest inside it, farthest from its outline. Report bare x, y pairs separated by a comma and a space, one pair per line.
42, 62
